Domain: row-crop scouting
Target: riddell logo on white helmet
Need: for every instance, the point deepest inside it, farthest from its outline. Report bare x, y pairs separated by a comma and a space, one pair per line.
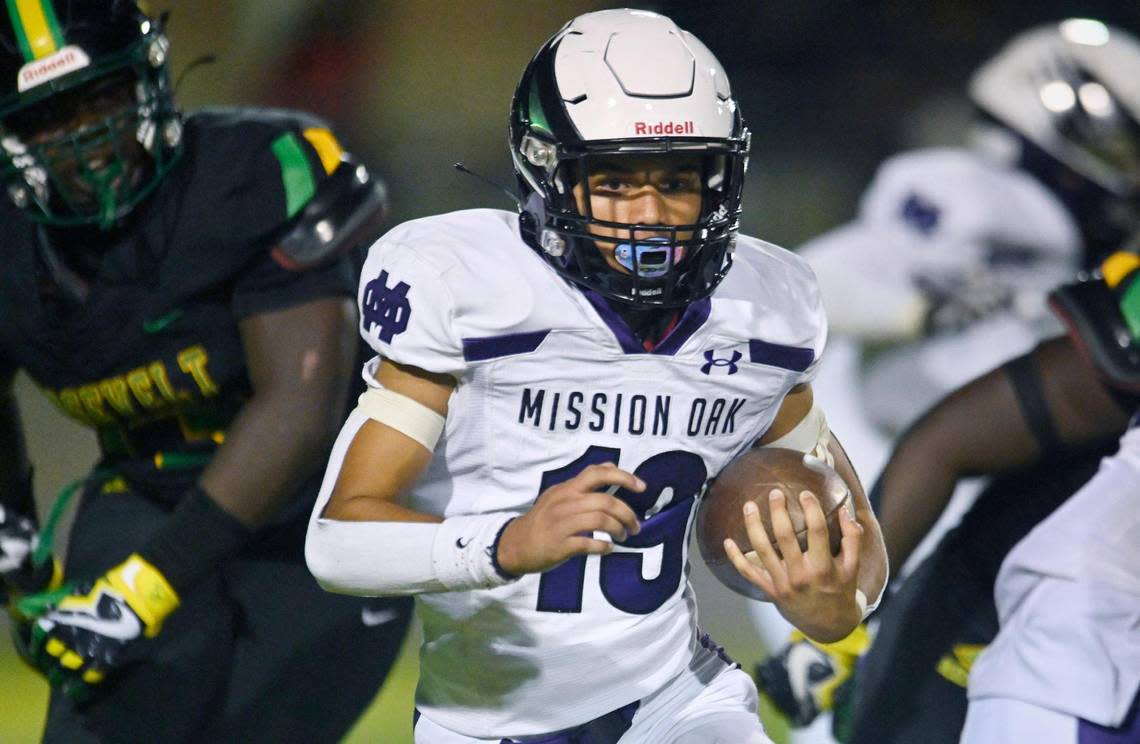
664, 127
68, 59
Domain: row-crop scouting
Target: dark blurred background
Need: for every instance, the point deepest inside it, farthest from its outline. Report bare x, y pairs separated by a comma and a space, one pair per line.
828, 87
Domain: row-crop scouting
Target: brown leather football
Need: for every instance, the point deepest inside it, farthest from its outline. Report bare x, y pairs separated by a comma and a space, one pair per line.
751, 477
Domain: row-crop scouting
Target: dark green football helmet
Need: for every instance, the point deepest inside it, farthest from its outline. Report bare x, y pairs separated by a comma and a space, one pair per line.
88, 125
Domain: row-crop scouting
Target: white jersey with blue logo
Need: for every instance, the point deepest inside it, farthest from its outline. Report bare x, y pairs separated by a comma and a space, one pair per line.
943, 222
550, 380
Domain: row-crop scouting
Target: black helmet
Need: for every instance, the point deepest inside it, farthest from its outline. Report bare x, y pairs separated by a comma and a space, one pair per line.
627, 83
57, 56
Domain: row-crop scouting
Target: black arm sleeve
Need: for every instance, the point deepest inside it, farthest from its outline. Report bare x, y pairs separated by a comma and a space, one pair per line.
15, 470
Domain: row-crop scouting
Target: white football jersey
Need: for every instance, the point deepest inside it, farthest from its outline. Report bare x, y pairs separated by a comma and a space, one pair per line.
937, 214
951, 218
1068, 598
550, 380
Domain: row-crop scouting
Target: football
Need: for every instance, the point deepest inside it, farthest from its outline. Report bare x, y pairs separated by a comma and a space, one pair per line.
751, 477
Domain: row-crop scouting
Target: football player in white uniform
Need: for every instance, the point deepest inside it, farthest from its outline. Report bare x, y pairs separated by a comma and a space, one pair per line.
948, 263
552, 392
1065, 666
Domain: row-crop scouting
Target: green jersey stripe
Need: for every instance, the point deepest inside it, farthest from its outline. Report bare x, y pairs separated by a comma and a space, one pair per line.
296, 175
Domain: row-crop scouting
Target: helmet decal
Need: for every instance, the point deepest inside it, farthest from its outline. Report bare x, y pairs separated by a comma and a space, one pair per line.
39, 71
36, 28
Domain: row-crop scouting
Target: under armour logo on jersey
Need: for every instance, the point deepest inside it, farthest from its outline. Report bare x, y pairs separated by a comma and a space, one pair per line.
920, 214
712, 361
386, 307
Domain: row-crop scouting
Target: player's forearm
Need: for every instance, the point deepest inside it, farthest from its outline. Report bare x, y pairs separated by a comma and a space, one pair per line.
826, 623
275, 444
300, 363
360, 541
977, 429
242, 486
911, 498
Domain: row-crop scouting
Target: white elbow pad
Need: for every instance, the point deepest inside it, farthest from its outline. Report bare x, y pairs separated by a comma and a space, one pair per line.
810, 436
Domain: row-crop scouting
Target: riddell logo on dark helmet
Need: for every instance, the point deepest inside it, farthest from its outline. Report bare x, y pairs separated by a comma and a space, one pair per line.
66, 60
664, 127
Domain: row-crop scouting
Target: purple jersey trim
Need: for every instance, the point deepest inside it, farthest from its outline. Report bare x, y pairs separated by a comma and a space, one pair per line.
692, 319
493, 347
1128, 732
794, 358
605, 729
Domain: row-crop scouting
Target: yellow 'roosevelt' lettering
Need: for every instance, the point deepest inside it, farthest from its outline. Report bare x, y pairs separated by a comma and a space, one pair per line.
193, 362
158, 375
69, 402
148, 386
93, 404
115, 392
139, 382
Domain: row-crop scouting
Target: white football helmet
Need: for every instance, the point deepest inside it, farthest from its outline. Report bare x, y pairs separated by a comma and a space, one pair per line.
1069, 94
618, 83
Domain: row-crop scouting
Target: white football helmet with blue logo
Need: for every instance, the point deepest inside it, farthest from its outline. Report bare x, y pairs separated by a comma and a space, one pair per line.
620, 83
1066, 97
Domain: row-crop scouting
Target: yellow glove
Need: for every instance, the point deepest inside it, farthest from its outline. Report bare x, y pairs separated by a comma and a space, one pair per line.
955, 666
801, 680
97, 628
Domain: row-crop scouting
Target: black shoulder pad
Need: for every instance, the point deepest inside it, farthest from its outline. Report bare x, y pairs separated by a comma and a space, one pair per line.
1092, 313
347, 209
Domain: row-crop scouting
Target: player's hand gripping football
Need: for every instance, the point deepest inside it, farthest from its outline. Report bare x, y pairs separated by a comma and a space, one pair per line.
813, 589
562, 521
99, 627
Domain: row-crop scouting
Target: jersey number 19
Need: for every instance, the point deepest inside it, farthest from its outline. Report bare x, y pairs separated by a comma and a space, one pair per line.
673, 479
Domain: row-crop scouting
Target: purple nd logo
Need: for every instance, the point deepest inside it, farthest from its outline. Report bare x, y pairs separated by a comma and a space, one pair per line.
712, 361
920, 214
386, 307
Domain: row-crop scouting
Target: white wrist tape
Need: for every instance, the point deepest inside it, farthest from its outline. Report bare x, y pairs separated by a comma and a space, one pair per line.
869, 606
810, 436
397, 558
463, 551
861, 601
403, 414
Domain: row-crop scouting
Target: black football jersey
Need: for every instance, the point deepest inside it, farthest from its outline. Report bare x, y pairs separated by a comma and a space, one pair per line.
151, 358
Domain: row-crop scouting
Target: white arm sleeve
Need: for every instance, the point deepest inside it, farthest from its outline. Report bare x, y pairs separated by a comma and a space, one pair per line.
395, 558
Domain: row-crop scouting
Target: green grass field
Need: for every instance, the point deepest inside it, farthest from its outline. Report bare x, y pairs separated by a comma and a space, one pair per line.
23, 700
